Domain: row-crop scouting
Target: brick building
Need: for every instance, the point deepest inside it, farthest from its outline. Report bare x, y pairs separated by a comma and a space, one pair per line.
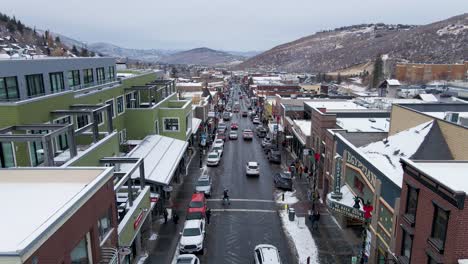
423, 73
433, 216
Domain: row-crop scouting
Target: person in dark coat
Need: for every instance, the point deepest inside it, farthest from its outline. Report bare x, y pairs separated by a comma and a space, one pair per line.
208, 215
315, 220
175, 218
165, 214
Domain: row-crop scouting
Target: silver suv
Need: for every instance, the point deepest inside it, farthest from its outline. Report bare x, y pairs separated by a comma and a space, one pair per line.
203, 185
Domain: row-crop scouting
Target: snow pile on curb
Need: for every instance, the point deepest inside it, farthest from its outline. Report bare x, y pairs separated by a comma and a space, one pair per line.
301, 237
289, 198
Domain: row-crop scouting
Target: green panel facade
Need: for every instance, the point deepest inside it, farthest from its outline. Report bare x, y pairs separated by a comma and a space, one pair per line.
132, 223
106, 148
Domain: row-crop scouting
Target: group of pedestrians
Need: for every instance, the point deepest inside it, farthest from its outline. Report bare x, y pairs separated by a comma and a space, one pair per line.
297, 169
175, 216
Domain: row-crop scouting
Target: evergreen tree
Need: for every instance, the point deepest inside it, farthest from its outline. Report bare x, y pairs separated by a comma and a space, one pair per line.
57, 39
377, 73
74, 50
174, 72
84, 52
338, 78
319, 77
20, 26
11, 27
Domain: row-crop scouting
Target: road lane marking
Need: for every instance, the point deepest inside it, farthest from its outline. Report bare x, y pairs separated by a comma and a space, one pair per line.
242, 200
244, 210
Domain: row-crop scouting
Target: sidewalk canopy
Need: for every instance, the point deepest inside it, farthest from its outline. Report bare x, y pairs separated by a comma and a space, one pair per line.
161, 158
195, 124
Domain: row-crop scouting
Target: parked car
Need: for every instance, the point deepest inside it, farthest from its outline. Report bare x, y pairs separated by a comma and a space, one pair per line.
187, 259
283, 180
221, 136
203, 185
213, 159
252, 168
227, 115
193, 236
266, 254
269, 146
256, 120
266, 141
218, 143
197, 203
245, 113
261, 132
218, 149
274, 156
234, 126
233, 135
222, 126
247, 134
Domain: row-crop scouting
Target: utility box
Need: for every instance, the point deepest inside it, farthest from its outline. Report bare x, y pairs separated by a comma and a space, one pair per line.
291, 213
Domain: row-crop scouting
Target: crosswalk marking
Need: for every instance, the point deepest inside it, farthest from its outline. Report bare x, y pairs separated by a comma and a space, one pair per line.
242, 200
244, 210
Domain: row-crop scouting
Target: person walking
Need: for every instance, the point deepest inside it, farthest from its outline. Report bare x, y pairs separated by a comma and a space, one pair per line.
208, 215
306, 170
301, 170
175, 218
165, 214
315, 220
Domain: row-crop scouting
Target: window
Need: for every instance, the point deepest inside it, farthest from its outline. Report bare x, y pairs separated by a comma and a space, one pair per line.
123, 136
431, 260
99, 118
62, 140
74, 78
80, 254
358, 184
88, 77
36, 149
406, 245
411, 203
131, 100
439, 227
120, 105
56, 82
171, 124
7, 157
111, 103
35, 85
111, 72
105, 225
8, 89
100, 76
82, 120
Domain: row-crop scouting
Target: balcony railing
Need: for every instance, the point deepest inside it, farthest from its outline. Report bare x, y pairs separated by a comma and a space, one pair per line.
94, 84
109, 256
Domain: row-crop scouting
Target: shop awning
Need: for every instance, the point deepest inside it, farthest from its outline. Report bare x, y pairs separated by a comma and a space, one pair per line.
195, 124
161, 158
345, 204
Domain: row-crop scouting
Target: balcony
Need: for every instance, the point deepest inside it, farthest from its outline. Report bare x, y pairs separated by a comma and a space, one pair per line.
109, 255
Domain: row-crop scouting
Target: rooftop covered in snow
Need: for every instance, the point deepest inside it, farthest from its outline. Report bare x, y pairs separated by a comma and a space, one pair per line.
364, 124
35, 200
334, 104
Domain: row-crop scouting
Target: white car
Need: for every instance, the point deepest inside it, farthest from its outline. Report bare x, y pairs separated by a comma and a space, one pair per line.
187, 259
233, 135
252, 168
204, 185
218, 142
266, 254
256, 121
218, 149
213, 158
192, 237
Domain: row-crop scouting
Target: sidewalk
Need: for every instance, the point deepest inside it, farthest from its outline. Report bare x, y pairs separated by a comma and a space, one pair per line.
335, 244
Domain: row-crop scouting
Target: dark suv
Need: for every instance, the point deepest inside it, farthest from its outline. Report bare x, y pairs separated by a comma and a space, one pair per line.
283, 180
274, 156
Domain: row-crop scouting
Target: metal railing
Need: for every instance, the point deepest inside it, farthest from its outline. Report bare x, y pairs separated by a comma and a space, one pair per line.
109, 256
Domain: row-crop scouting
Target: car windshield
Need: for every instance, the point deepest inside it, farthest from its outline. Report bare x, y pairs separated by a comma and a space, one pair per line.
196, 204
203, 183
216, 148
253, 167
213, 156
285, 175
191, 232
194, 216
184, 260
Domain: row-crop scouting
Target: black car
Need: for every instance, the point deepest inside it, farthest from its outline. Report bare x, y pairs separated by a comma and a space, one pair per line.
283, 180
261, 132
269, 147
274, 156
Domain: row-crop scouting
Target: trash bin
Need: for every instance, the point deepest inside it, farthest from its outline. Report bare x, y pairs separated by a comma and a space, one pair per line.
291, 213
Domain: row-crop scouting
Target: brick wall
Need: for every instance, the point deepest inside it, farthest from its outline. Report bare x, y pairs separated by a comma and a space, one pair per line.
418, 73
58, 247
456, 243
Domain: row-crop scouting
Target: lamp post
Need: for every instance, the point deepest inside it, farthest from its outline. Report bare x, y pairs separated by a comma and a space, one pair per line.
368, 208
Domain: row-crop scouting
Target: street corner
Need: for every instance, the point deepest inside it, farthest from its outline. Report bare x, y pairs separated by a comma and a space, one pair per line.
286, 197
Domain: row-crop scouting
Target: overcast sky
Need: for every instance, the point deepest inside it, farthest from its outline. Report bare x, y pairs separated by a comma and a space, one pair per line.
240, 25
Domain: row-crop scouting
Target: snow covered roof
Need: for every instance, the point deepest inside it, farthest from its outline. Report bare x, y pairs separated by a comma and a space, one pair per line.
35, 199
194, 84
428, 98
385, 155
450, 174
195, 124
334, 104
162, 156
393, 82
364, 124
304, 125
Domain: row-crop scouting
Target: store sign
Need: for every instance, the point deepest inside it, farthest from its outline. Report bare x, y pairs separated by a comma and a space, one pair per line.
346, 210
337, 187
350, 159
137, 221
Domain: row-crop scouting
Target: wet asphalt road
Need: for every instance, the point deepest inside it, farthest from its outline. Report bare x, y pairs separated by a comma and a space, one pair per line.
252, 217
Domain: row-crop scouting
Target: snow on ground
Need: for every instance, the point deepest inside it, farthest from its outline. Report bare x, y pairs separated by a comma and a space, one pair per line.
301, 237
289, 198
452, 29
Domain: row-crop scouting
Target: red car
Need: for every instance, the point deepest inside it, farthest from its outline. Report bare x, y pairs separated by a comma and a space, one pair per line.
234, 126
198, 203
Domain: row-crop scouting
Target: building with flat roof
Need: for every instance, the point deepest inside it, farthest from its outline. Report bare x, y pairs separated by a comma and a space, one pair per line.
47, 209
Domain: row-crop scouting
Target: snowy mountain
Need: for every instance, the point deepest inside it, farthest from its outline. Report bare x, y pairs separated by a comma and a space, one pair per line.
146, 55
342, 48
203, 56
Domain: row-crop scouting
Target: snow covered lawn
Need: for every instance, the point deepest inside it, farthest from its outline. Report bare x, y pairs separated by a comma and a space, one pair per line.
301, 237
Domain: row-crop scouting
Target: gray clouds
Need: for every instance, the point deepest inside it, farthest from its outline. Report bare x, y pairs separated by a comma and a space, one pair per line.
219, 24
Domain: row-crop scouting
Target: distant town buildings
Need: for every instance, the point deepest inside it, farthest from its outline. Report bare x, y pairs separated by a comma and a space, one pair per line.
423, 73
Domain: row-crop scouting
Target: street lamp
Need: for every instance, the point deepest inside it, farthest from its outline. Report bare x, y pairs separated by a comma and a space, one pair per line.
368, 208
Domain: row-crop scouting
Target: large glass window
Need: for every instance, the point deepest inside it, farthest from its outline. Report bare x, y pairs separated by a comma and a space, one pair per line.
35, 85
80, 254
74, 78
8, 89
7, 158
171, 124
88, 77
37, 149
56, 82
62, 140
411, 203
406, 245
105, 225
111, 72
120, 105
101, 77
439, 226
